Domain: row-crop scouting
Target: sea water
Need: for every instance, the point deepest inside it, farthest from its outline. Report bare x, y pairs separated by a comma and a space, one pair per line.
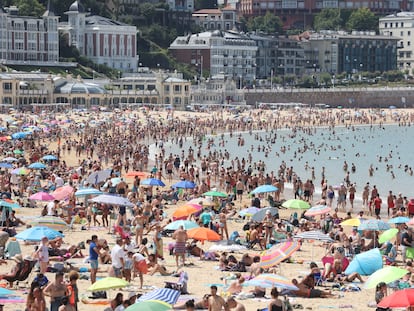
388, 149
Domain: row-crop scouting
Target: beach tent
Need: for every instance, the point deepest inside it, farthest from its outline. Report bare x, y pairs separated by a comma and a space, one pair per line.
365, 263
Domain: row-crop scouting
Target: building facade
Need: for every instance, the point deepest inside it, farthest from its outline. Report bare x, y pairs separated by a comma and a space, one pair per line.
297, 13
25, 39
215, 19
401, 25
102, 40
37, 90
339, 52
218, 52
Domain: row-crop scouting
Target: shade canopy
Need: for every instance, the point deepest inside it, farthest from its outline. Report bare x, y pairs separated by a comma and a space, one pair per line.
203, 234
37, 233
296, 204
112, 200
387, 275
365, 263
278, 253
108, 283
264, 189
398, 299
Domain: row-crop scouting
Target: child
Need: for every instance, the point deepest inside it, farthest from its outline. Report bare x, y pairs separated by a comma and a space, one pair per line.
129, 261
42, 253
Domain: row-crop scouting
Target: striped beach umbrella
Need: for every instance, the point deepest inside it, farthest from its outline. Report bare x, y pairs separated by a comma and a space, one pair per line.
52, 222
268, 280
278, 253
313, 235
167, 295
373, 225
20, 171
317, 210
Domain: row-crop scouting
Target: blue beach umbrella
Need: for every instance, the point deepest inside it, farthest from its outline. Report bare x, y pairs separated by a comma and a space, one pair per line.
365, 263
37, 233
264, 189
19, 135
373, 225
87, 191
184, 184
187, 224
152, 182
37, 166
49, 157
399, 220
9, 205
5, 165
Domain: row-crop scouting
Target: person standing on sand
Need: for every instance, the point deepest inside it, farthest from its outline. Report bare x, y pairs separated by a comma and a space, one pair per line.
180, 248
57, 291
93, 257
215, 302
42, 253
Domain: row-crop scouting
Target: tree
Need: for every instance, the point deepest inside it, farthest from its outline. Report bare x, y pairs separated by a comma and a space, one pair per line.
269, 24
362, 19
328, 19
30, 8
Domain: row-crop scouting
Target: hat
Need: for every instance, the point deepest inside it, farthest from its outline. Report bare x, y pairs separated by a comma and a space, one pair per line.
17, 258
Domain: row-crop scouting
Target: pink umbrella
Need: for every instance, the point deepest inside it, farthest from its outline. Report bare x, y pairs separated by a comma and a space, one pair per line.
42, 196
62, 193
318, 210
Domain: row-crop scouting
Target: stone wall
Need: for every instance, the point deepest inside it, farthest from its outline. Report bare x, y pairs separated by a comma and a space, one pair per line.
347, 97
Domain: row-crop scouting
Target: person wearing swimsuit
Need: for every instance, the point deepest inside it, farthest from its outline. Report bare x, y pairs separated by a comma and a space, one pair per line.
276, 304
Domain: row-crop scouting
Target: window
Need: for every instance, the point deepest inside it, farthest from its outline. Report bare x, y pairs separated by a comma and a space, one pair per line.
390, 25
401, 33
408, 43
408, 33
385, 25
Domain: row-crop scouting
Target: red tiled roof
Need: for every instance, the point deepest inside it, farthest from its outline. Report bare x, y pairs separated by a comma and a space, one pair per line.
207, 11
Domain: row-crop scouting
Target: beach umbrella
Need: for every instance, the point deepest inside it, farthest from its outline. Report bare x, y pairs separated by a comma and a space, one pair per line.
387, 275
42, 196
187, 224
202, 201
10, 159
399, 220
203, 234
149, 305
278, 253
373, 225
136, 173
87, 191
184, 184
112, 199
9, 204
19, 135
114, 181
264, 189
250, 211
20, 171
387, 235
186, 210
152, 182
18, 151
52, 222
37, 166
398, 299
317, 210
269, 280
108, 283
313, 235
99, 176
62, 193
5, 165
296, 204
353, 222
49, 157
260, 215
167, 295
365, 263
37, 233
215, 194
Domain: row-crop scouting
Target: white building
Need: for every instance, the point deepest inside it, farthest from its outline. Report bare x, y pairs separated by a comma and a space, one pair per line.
401, 25
102, 40
219, 52
28, 40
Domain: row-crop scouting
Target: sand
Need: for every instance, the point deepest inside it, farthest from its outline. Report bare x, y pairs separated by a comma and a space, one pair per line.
201, 273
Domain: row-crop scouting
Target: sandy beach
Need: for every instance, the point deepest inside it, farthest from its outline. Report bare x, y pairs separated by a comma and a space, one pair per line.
204, 273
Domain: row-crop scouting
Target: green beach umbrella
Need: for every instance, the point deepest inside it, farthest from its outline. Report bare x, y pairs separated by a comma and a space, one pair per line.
108, 283
387, 275
387, 235
215, 194
17, 151
296, 204
149, 305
